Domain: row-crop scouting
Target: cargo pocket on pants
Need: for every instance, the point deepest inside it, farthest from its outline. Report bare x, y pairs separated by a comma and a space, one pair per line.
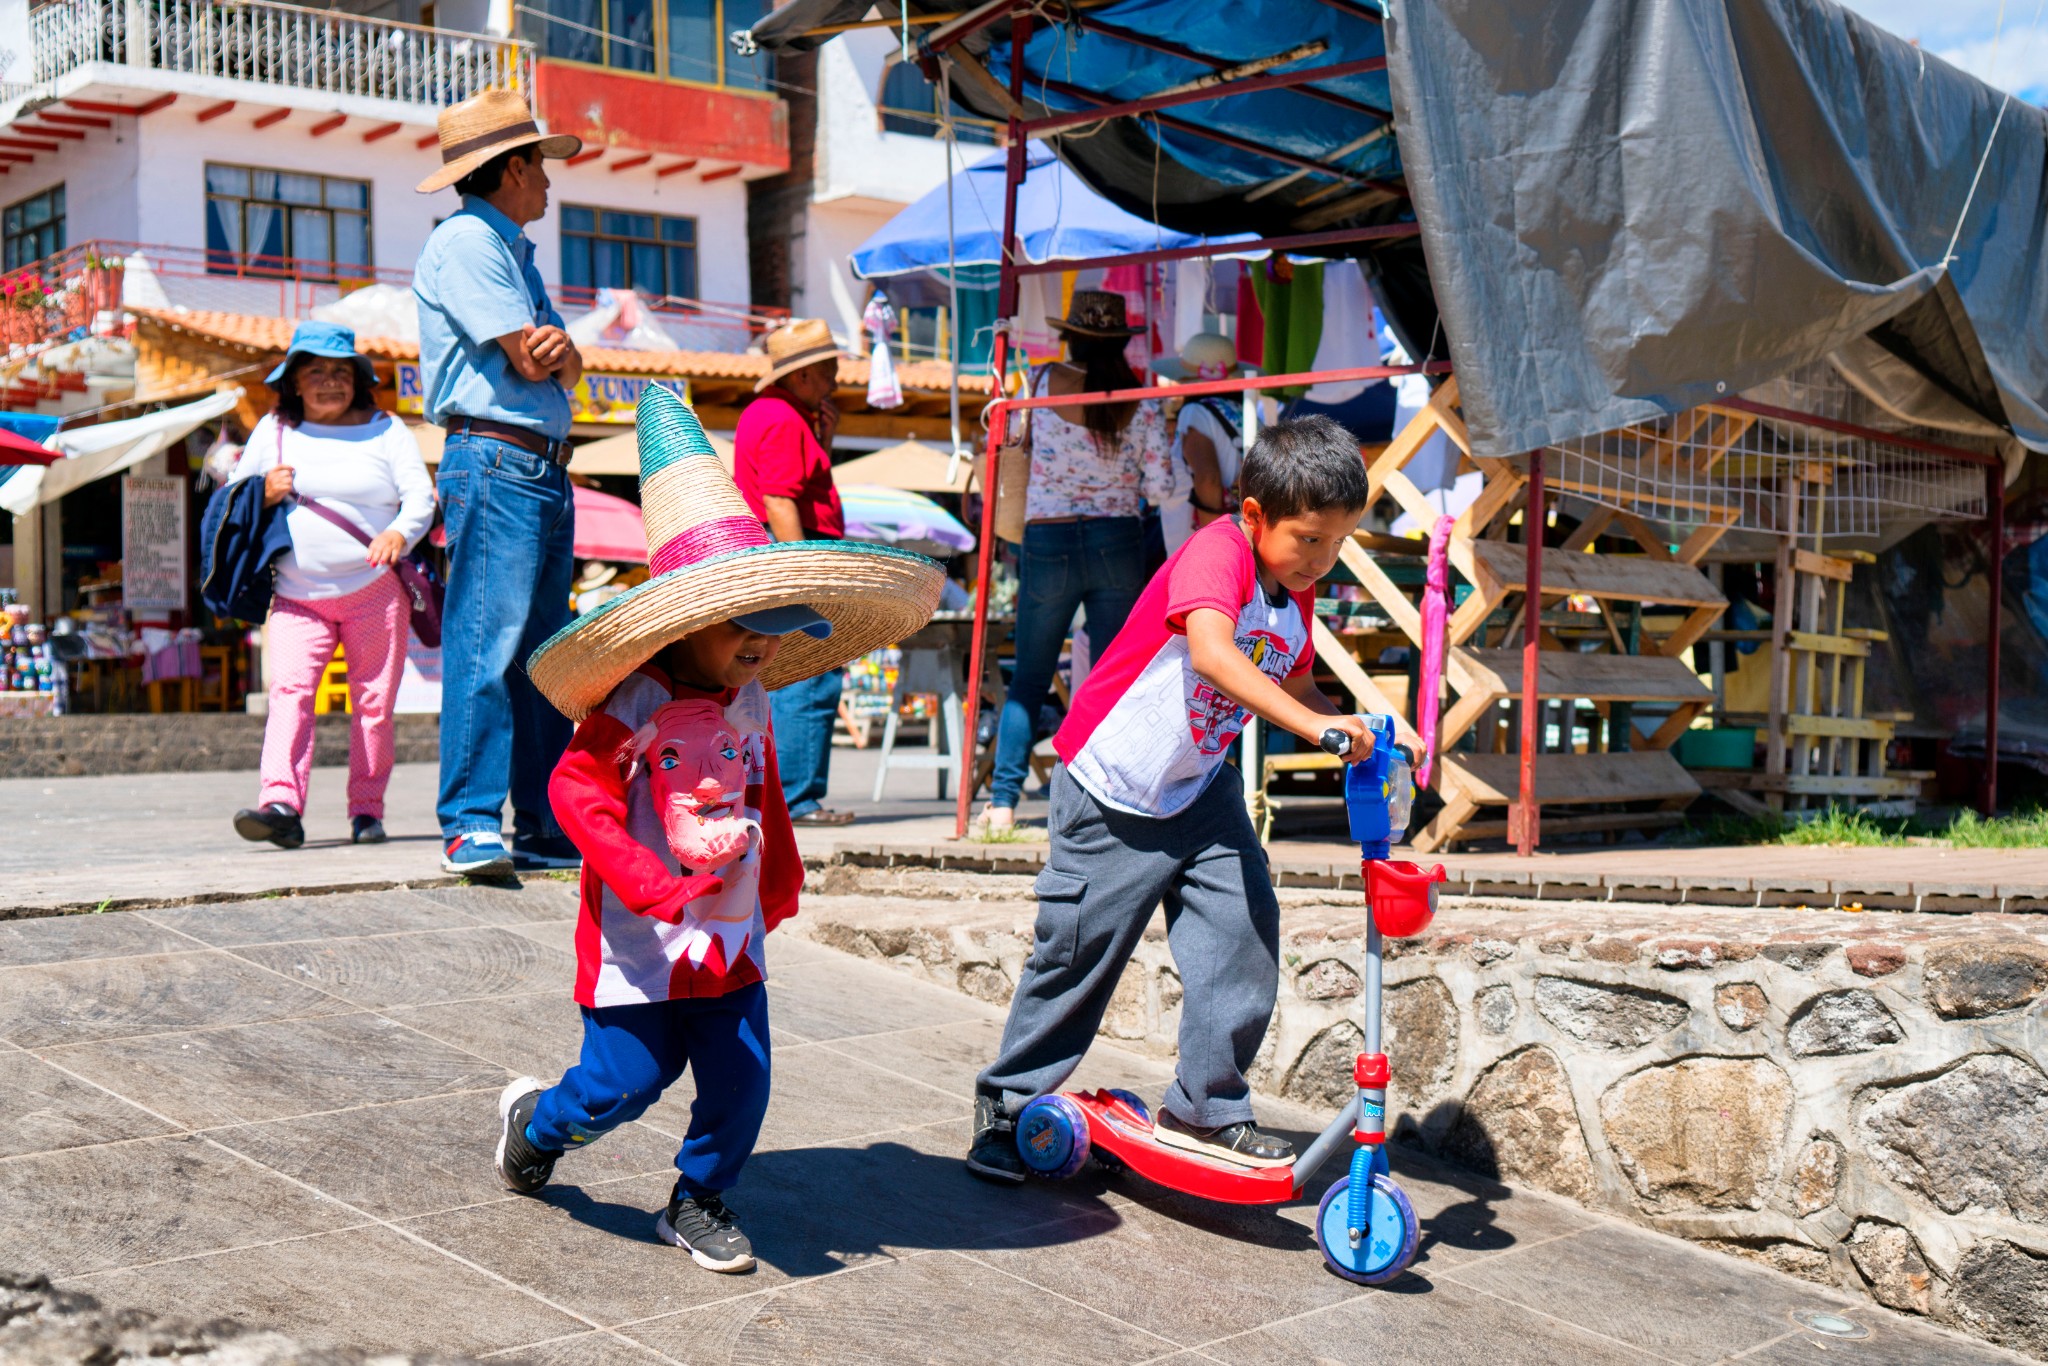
1058, 929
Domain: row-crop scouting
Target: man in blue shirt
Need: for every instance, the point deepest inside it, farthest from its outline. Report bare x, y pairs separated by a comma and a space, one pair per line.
497, 368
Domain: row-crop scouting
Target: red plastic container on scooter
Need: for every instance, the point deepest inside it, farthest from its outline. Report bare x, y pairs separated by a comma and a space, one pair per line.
1402, 895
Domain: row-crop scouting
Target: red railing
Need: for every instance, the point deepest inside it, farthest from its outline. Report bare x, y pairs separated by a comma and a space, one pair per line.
81, 291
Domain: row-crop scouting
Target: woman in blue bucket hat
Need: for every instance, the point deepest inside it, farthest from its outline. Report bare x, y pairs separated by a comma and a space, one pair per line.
360, 499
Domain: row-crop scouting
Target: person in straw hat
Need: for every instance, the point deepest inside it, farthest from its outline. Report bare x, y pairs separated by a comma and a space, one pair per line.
1207, 448
670, 789
497, 367
782, 462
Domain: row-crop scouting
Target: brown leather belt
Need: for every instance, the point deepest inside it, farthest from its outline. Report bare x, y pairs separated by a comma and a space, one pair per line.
525, 438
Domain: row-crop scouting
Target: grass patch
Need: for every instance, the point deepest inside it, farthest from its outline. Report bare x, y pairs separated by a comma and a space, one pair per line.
1839, 827
2021, 830
1016, 834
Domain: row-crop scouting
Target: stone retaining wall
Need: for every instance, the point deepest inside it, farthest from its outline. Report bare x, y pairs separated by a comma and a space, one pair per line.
1857, 1099
176, 742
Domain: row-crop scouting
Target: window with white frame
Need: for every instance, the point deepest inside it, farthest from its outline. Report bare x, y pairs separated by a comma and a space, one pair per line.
609, 249
34, 227
261, 220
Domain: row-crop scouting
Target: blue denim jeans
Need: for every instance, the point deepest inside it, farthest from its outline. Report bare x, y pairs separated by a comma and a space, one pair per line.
804, 716
633, 1053
511, 559
1098, 563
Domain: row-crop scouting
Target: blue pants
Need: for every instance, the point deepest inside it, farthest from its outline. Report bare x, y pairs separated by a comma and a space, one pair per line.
1098, 563
511, 532
804, 716
631, 1054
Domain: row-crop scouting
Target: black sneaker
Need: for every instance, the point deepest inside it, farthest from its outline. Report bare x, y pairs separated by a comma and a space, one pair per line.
992, 1155
703, 1227
274, 822
521, 1166
544, 854
1240, 1143
365, 830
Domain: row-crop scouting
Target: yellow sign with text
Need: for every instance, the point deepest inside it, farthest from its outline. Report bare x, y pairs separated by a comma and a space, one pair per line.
599, 397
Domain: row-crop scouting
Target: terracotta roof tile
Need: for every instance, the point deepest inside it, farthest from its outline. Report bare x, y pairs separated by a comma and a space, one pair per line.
272, 335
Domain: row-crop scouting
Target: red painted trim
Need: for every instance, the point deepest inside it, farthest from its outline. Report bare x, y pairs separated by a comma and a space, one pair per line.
212, 112
36, 130
75, 120
1278, 80
17, 158
375, 134
1304, 378
428, 141
130, 110
1360, 1136
676, 169
1297, 242
720, 174
1355, 11
1171, 49
24, 145
672, 120
592, 155
1851, 429
326, 126
274, 116
630, 162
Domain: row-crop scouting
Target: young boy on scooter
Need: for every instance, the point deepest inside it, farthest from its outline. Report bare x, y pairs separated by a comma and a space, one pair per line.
1142, 810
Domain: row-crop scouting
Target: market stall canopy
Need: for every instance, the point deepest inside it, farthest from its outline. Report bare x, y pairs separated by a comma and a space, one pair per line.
108, 448
913, 465
1058, 219
19, 450
608, 528
1628, 212
1664, 202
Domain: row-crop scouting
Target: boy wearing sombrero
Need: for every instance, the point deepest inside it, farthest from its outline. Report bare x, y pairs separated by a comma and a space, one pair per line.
670, 791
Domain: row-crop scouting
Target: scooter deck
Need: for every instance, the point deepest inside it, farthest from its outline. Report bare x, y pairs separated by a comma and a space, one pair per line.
1115, 1128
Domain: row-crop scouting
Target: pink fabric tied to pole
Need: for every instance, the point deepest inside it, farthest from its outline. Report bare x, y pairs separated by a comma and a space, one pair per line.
1435, 611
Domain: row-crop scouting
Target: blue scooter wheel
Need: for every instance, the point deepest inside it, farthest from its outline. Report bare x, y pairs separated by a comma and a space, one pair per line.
1130, 1098
1052, 1137
1387, 1247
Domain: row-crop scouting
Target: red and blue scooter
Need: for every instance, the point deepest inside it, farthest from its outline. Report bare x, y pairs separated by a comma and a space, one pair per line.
1364, 1225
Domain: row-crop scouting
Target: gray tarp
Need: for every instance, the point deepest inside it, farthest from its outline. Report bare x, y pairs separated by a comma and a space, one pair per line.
1635, 206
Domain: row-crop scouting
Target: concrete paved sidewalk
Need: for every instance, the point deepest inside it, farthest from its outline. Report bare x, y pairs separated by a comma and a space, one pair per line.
282, 1111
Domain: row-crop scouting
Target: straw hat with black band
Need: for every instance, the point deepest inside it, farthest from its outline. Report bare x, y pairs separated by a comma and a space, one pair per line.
484, 126
1095, 313
712, 561
795, 345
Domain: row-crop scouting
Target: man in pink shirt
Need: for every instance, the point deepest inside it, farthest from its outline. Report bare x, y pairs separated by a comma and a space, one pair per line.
783, 466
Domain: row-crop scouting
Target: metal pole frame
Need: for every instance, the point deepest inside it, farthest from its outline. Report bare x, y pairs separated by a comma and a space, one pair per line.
1279, 80
1385, 232
995, 419
1526, 810
1994, 485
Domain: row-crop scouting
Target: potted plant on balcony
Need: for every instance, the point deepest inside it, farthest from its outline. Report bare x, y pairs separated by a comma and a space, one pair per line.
103, 276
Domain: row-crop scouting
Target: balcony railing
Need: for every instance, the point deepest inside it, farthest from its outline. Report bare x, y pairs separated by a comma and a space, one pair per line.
281, 45
82, 290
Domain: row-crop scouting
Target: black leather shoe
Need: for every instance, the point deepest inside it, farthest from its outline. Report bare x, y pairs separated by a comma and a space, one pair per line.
274, 822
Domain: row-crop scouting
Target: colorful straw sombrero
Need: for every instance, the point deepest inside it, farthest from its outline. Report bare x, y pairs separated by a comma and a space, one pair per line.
712, 560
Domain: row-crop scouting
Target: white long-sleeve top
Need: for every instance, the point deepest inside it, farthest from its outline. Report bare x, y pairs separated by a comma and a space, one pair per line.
370, 473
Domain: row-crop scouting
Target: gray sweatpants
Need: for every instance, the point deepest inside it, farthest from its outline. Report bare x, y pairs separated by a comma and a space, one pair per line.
1106, 872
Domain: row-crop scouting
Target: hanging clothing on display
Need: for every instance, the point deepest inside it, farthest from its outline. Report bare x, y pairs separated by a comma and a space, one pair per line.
879, 318
1350, 336
1291, 298
1251, 319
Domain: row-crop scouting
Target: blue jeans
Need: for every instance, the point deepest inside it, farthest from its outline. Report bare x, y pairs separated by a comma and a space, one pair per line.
1099, 564
511, 560
631, 1054
804, 716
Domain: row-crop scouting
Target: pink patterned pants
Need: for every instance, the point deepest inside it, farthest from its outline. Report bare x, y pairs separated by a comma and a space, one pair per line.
370, 623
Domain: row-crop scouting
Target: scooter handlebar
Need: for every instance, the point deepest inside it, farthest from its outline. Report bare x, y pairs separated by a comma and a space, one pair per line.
1335, 742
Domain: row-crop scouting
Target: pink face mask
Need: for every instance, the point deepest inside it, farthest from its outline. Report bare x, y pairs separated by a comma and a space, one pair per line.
699, 783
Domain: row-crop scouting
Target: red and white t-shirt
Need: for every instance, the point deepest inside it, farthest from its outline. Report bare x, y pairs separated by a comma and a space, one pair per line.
644, 916
1145, 733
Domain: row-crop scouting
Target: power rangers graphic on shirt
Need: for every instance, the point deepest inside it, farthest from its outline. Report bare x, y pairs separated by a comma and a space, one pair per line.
1213, 719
